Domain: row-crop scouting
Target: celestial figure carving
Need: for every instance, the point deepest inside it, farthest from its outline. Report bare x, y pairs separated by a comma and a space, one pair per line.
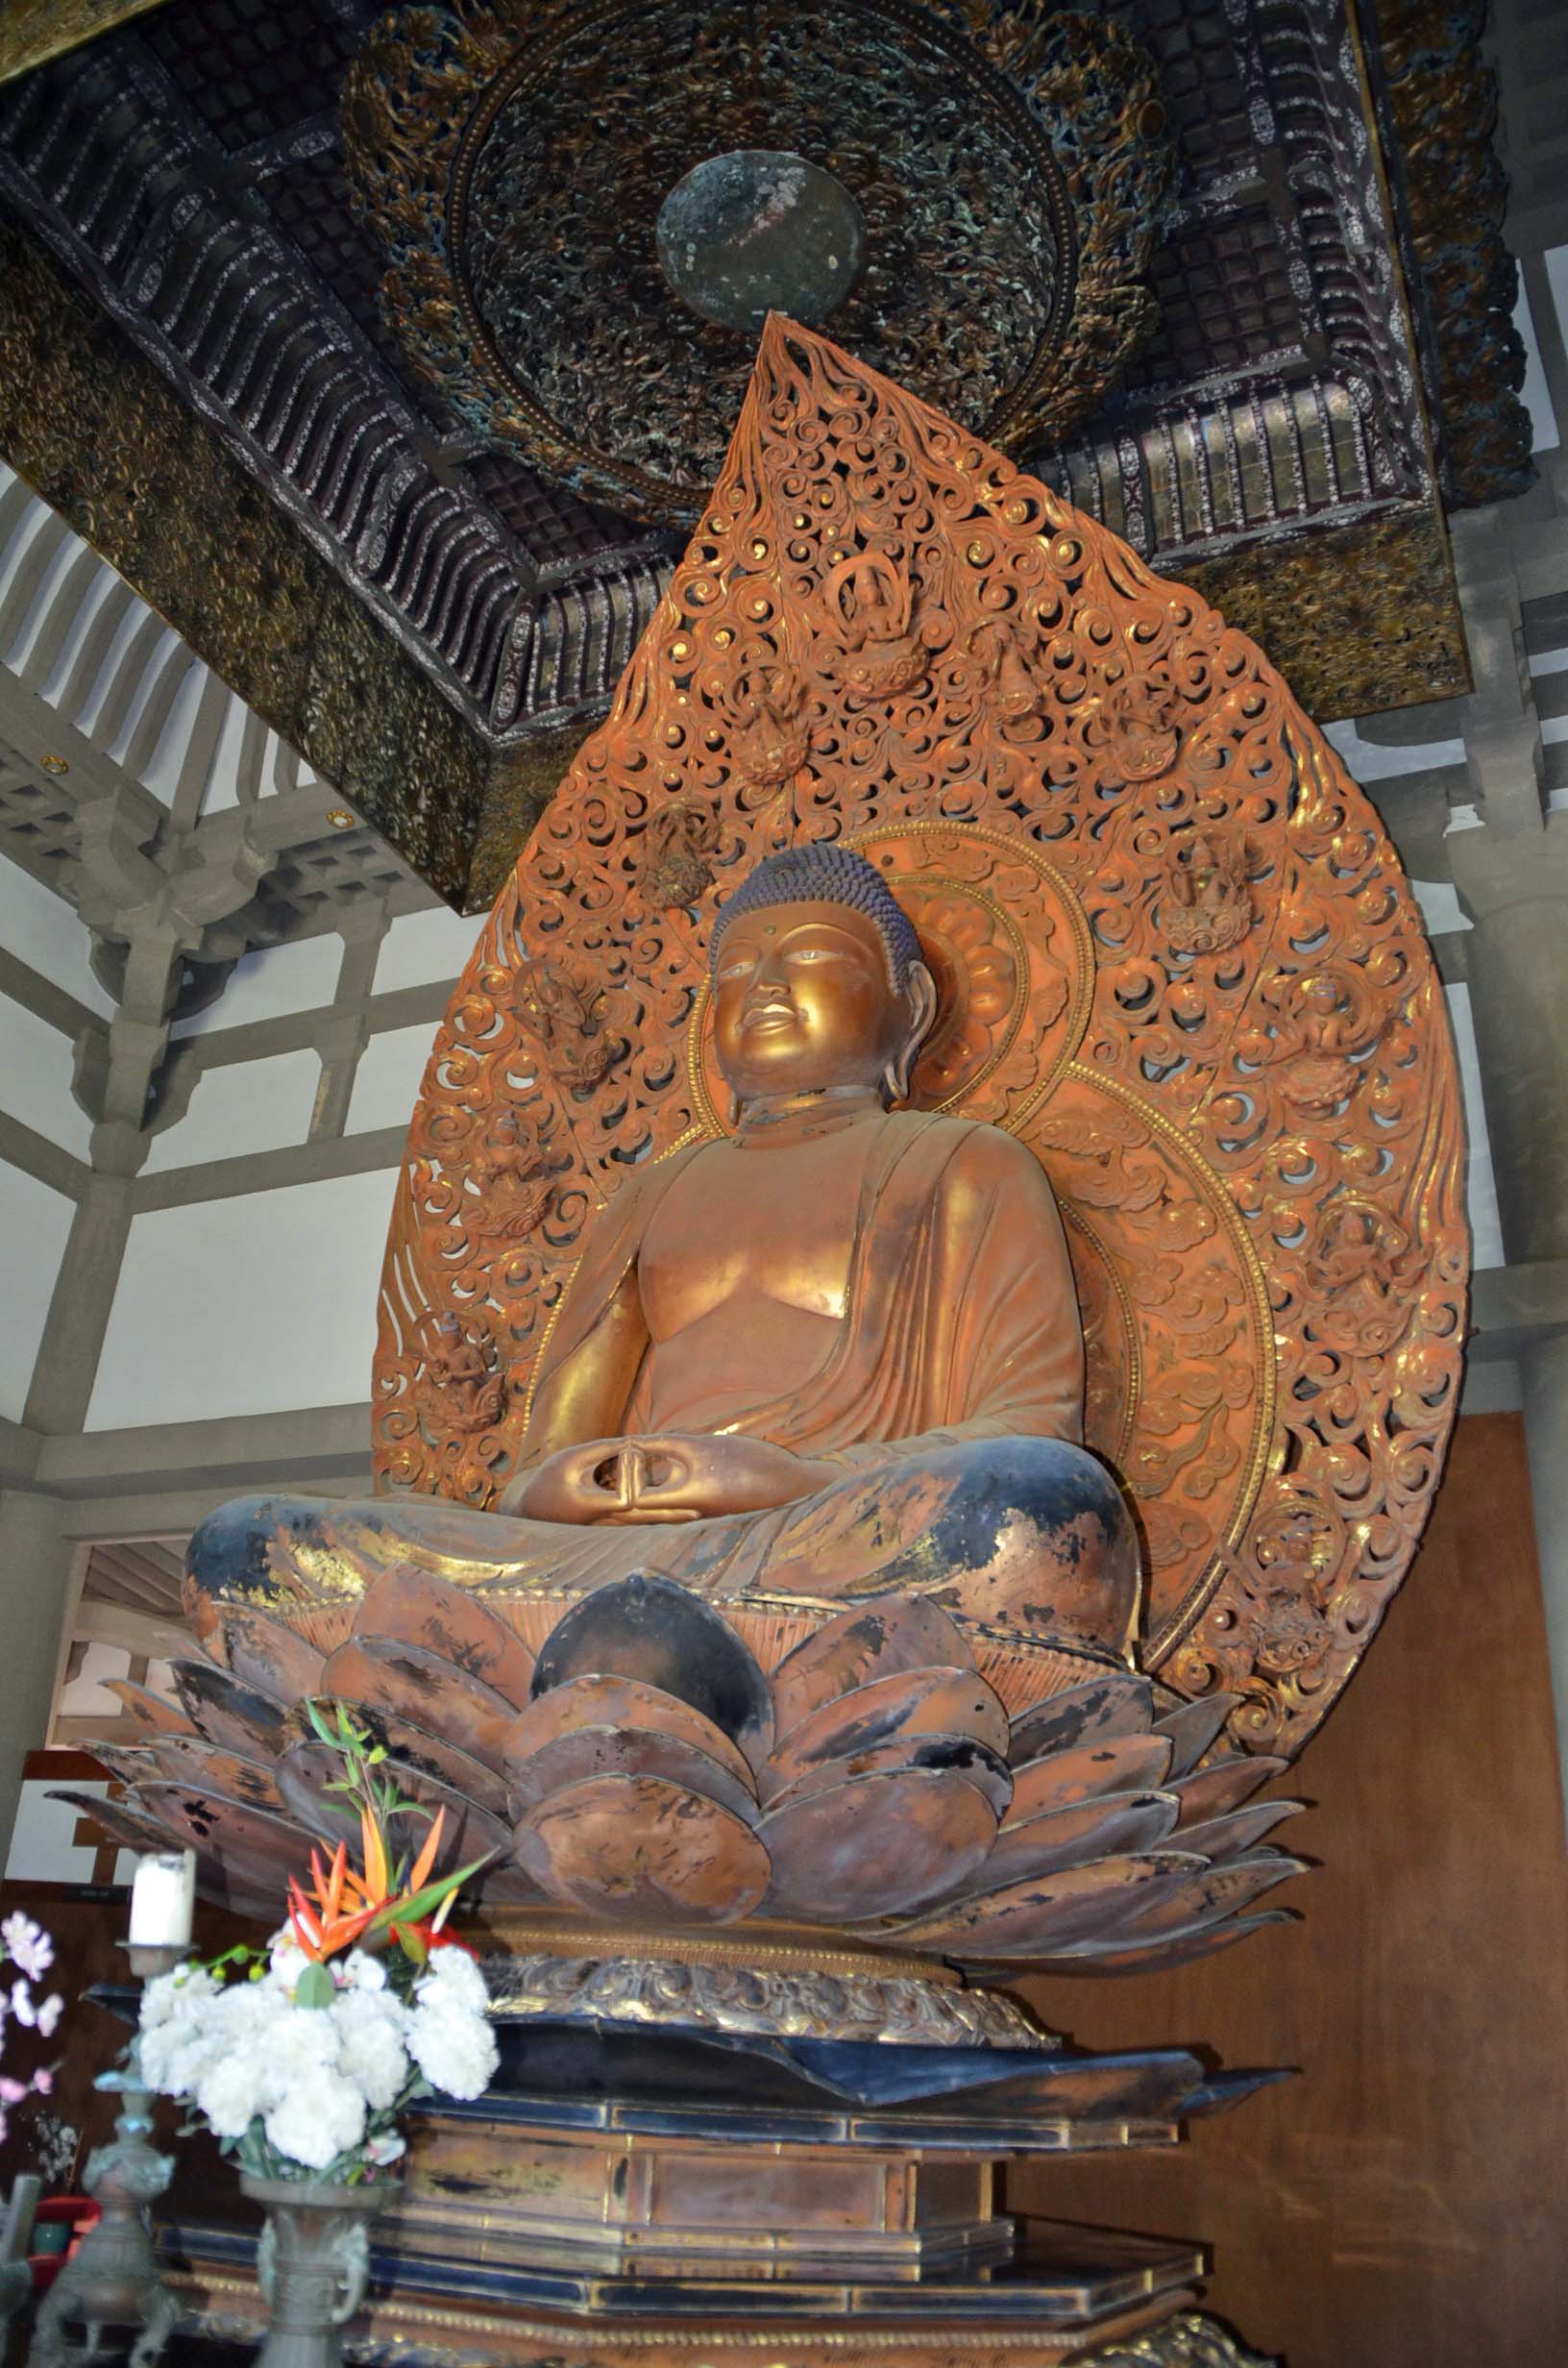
837, 1356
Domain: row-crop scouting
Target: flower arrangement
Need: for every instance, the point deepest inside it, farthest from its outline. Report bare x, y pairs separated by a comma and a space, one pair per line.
28, 1947
301, 2057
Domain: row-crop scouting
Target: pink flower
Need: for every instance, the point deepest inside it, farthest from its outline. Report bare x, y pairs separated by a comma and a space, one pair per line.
29, 1944
21, 2005
43, 2083
49, 2015
12, 2092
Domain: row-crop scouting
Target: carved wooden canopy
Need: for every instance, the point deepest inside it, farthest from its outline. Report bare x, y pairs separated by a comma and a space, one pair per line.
1177, 958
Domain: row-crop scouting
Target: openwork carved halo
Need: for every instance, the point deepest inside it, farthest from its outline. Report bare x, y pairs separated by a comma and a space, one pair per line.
511, 158
1181, 962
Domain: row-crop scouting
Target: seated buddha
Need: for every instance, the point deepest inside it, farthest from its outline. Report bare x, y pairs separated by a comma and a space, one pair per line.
833, 1357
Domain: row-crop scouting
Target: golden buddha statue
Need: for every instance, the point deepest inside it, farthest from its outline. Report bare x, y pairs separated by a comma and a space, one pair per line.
835, 1357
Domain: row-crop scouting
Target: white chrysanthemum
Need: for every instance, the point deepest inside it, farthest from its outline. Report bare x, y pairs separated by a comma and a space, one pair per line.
371, 2050
454, 2050
301, 2048
453, 1974
229, 2094
176, 2056
362, 1971
177, 1996
316, 2121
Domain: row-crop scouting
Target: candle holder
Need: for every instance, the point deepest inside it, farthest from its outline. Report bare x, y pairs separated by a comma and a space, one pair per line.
112, 2281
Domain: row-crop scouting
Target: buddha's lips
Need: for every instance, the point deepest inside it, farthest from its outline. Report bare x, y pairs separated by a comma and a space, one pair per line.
769, 1016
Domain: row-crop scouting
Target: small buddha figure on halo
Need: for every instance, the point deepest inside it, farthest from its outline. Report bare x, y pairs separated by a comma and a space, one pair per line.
834, 1357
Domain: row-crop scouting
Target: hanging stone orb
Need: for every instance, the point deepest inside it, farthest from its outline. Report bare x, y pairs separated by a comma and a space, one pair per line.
760, 231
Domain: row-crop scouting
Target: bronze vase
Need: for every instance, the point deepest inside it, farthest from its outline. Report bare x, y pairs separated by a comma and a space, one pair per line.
312, 2263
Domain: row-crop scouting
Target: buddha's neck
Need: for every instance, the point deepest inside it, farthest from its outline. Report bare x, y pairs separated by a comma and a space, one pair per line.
790, 1118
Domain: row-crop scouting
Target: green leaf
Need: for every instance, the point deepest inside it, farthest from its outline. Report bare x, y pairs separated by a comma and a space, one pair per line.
424, 1903
315, 1986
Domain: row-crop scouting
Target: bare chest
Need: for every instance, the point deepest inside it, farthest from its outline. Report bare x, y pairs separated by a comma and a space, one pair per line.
760, 1224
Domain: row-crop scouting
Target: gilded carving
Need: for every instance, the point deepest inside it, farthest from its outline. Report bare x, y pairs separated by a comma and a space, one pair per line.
1206, 909
456, 1379
774, 743
897, 2010
514, 1182
675, 860
1249, 1244
564, 1006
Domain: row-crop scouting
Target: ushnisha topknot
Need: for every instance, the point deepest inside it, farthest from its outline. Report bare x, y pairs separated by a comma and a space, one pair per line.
821, 873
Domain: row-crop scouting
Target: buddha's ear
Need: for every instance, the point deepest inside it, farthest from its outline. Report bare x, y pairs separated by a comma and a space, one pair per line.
920, 1003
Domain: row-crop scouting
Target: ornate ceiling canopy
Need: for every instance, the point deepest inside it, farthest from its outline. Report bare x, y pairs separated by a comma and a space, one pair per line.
510, 161
1226, 277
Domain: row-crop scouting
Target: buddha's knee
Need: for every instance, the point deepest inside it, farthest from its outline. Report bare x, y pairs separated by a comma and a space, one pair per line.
233, 1554
1040, 1539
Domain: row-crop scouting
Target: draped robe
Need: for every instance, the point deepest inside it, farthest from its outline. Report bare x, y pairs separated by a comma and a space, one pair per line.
951, 1397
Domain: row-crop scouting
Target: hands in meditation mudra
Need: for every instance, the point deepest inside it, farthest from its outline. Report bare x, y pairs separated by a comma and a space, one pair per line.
834, 1357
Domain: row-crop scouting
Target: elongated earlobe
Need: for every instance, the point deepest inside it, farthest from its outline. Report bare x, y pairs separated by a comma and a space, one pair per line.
920, 992
734, 1108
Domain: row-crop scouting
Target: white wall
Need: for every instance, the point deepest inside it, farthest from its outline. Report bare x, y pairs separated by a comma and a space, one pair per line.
257, 1304
420, 949
34, 1221
42, 931
35, 1066
387, 1080
272, 982
245, 1106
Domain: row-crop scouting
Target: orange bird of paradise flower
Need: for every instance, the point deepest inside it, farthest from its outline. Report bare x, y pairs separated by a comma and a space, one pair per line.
343, 1903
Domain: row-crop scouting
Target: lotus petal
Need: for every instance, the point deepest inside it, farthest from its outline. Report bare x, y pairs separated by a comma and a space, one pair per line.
909, 1702
153, 1713
229, 1830
226, 1711
468, 1831
1212, 1792
1190, 1905
585, 1703
123, 1821
415, 1748
960, 1754
1157, 1954
1111, 1826
206, 1767
1097, 1711
1126, 1764
1193, 1727
1223, 1838
880, 1639
410, 1681
129, 1764
878, 1845
261, 1652
451, 1623
247, 1889
651, 1629
1037, 1917
639, 1849
627, 1751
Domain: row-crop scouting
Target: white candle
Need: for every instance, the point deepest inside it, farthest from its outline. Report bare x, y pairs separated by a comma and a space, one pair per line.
163, 1900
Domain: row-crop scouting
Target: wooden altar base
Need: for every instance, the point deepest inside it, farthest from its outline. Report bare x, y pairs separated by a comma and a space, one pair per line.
403, 2326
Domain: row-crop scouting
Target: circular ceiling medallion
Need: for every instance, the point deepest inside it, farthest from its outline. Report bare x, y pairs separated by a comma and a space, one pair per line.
588, 211
756, 232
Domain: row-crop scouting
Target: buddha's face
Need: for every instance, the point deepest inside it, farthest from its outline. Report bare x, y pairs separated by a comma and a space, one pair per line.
802, 1001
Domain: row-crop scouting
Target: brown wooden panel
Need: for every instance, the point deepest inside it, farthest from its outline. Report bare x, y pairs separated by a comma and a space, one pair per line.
1404, 2203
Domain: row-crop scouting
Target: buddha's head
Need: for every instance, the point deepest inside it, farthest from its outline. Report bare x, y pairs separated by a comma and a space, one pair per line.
817, 980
